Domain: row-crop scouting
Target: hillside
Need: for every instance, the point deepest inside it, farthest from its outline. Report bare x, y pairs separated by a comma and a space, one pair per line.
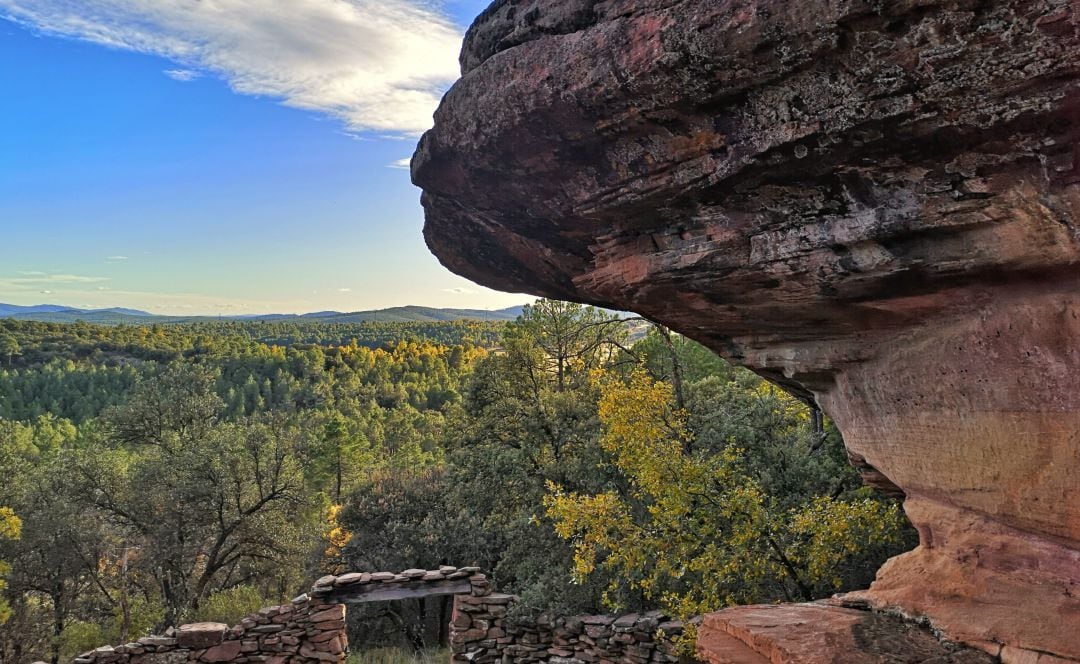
49, 313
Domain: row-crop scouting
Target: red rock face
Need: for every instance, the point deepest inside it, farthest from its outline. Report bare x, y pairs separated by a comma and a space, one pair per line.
875, 204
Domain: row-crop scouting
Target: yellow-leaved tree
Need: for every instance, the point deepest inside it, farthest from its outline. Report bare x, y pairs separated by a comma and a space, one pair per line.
10, 528
691, 528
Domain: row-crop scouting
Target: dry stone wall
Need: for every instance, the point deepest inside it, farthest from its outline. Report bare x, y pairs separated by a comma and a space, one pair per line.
306, 631
482, 630
311, 629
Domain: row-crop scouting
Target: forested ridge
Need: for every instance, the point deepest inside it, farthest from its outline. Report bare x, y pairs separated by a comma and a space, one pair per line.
161, 474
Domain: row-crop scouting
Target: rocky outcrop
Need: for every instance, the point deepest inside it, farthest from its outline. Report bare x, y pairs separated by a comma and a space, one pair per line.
823, 633
875, 204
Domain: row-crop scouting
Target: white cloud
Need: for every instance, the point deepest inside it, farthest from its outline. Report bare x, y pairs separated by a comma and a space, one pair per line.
460, 290
116, 259
182, 75
404, 163
344, 290
31, 278
378, 65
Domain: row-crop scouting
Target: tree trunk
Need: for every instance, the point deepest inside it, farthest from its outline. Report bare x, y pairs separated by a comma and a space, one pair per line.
58, 621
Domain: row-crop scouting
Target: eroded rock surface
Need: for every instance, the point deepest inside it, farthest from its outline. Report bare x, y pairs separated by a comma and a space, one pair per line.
819, 633
874, 203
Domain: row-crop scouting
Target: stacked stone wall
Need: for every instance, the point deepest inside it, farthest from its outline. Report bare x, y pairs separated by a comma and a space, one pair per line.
306, 631
482, 630
311, 629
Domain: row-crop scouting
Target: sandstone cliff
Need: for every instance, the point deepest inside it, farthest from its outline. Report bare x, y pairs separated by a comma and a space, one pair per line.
874, 203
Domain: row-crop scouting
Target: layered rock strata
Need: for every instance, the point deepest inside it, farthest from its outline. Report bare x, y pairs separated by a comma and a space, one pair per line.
874, 204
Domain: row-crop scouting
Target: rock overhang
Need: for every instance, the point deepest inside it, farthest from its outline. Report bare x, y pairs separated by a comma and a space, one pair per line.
876, 204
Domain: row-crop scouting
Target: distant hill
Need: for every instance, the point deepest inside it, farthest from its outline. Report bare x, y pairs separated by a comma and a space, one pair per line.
50, 313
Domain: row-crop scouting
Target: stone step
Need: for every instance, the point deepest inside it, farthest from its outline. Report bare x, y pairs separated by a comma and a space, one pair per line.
821, 633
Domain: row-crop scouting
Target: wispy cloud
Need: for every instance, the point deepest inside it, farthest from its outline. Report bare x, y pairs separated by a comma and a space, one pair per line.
344, 290
460, 290
38, 278
182, 75
404, 163
378, 65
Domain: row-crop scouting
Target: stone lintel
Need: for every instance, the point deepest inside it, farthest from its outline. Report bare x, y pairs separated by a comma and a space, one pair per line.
394, 591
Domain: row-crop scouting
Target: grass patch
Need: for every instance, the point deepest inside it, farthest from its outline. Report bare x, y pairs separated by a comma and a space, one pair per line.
400, 656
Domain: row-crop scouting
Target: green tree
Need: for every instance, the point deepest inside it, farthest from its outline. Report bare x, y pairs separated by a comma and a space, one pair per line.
231, 605
563, 339
341, 454
530, 418
693, 528
212, 505
9, 347
10, 528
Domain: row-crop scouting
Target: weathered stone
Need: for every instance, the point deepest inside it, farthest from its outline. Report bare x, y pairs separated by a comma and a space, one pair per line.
311, 653
352, 577
200, 635
321, 637
823, 634
461, 620
333, 613
171, 657
873, 205
335, 646
225, 652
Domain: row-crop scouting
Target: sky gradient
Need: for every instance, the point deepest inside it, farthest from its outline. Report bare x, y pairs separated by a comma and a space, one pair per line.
241, 156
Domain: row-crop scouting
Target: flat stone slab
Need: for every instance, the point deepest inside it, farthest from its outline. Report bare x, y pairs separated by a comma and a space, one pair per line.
404, 589
821, 634
201, 635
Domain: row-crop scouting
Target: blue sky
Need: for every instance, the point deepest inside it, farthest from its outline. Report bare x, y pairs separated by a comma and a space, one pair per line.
235, 156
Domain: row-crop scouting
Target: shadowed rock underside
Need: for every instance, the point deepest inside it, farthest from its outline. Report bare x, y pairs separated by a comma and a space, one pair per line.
873, 203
